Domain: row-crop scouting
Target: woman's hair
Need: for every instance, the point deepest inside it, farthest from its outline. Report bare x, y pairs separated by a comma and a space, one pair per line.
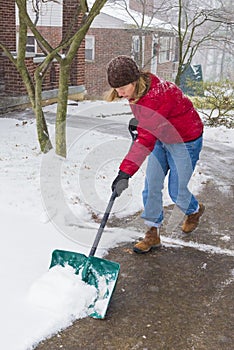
142, 87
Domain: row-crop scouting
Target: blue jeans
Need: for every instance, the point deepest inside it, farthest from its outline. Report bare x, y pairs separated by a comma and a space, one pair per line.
179, 160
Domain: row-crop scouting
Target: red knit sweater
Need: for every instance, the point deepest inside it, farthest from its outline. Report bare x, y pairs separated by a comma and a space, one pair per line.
164, 113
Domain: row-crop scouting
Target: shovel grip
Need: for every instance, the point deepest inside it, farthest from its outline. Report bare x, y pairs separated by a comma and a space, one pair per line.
103, 223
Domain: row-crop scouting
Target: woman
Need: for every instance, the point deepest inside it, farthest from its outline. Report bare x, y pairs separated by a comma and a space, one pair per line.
169, 131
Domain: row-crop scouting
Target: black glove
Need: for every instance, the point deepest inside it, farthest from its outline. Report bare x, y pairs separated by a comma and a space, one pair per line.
132, 127
120, 183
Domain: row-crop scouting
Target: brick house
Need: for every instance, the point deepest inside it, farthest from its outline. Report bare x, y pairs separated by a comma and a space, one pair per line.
114, 33
52, 24
109, 35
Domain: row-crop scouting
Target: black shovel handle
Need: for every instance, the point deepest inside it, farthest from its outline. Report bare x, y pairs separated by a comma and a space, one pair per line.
103, 223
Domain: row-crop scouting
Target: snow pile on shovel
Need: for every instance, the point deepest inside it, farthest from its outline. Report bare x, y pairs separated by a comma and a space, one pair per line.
61, 291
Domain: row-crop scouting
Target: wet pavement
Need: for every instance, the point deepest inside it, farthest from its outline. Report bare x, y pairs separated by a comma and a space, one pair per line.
179, 297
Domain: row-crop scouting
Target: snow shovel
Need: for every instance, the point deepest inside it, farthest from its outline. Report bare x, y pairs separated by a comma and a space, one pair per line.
100, 273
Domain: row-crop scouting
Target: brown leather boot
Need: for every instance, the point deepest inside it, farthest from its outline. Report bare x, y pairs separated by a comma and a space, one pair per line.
192, 221
151, 240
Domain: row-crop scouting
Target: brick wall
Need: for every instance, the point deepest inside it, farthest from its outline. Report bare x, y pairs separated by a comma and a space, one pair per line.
7, 24
10, 81
166, 70
52, 34
78, 68
7, 34
13, 85
136, 5
148, 51
108, 44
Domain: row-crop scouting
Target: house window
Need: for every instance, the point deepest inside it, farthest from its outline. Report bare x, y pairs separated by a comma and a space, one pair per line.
165, 49
89, 47
137, 53
31, 46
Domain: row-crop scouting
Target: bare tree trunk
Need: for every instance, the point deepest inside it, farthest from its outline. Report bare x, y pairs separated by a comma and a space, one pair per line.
42, 130
62, 109
34, 90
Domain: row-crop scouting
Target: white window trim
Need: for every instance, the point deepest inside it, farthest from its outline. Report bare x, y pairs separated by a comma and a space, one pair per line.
134, 39
92, 41
28, 54
35, 44
163, 49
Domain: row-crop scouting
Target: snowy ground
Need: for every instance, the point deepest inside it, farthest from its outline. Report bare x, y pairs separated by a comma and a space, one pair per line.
48, 203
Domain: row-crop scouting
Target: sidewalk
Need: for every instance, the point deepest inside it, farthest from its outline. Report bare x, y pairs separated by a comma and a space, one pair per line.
175, 298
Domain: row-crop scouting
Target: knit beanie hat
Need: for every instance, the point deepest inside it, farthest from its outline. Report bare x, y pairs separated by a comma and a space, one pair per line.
122, 70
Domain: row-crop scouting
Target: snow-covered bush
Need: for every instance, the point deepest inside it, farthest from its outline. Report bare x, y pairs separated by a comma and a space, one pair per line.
217, 104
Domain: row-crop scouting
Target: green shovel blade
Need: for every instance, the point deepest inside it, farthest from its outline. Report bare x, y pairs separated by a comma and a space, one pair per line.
100, 273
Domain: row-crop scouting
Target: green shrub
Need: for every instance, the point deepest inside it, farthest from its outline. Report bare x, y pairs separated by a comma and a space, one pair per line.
217, 104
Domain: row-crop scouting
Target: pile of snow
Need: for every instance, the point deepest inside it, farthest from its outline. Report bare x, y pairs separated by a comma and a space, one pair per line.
62, 294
